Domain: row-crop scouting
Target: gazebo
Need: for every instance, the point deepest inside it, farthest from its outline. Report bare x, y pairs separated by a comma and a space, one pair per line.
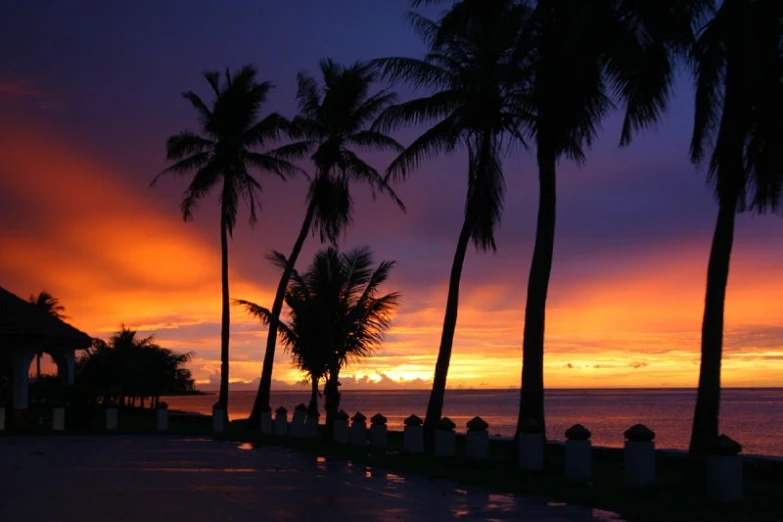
26, 330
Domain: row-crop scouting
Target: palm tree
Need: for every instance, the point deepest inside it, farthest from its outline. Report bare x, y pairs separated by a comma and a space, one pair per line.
579, 56
302, 334
49, 304
337, 315
333, 122
738, 60
130, 367
475, 104
223, 155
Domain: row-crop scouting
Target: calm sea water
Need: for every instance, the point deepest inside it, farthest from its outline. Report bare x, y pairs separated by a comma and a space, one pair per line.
753, 417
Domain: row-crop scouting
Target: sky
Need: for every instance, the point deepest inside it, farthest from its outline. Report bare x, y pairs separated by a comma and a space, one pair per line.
90, 90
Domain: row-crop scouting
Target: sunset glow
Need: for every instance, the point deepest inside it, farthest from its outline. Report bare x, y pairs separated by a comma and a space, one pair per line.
78, 219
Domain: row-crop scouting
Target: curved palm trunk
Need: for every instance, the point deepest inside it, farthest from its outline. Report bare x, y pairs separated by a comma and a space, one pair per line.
332, 400
313, 395
705, 417
265, 386
226, 319
531, 401
435, 405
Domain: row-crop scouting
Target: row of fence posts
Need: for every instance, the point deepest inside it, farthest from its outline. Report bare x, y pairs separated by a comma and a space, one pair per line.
111, 418
724, 465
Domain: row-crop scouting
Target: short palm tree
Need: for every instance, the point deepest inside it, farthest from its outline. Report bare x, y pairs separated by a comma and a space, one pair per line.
580, 57
337, 316
738, 61
332, 125
472, 103
229, 147
49, 304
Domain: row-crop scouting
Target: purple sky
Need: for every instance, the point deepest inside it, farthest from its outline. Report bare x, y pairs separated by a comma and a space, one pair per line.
102, 79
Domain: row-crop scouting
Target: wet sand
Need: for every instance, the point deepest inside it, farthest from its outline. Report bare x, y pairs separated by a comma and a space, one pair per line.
152, 479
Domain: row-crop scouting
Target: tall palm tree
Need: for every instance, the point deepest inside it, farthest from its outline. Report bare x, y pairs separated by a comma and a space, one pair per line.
333, 123
337, 315
473, 102
580, 58
223, 156
49, 304
738, 60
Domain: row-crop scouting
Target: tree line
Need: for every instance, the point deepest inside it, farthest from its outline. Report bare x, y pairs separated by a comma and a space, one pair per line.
539, 74
127, 370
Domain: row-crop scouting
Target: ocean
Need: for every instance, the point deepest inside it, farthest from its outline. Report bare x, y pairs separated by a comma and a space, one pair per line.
753, 417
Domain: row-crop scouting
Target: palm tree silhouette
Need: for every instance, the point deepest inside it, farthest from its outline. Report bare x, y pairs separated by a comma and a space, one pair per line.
333, 121
738, 61
130, 367
49, 304
337, 316
223, 156
475, 105
578, 56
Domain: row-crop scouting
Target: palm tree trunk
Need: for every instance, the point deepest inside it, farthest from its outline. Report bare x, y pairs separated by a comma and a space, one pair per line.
226, 318
531, 401
435, 405
332, 400
265, 385
38, 366
313, 395
705, 417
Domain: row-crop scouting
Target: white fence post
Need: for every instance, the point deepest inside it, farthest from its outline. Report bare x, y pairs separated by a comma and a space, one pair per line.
530, 443
162, 417
296, 431
477, 439
58, 418
445, 438
724, 471
359, 430
413, 435
111, 418
340, 430
639, 456
379, 433
578, 453
311, 425
281, 422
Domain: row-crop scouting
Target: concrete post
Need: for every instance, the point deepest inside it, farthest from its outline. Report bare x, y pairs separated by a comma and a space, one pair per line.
311, 425
58, 418
341, 434
530, 443
296, 430
639, 456
359, 430
445, 438
20, 363
218, 418
162, 417
266, 422
379, 434
578, 453
281, 422
725, 482
477, 440
413, 435
112, 418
